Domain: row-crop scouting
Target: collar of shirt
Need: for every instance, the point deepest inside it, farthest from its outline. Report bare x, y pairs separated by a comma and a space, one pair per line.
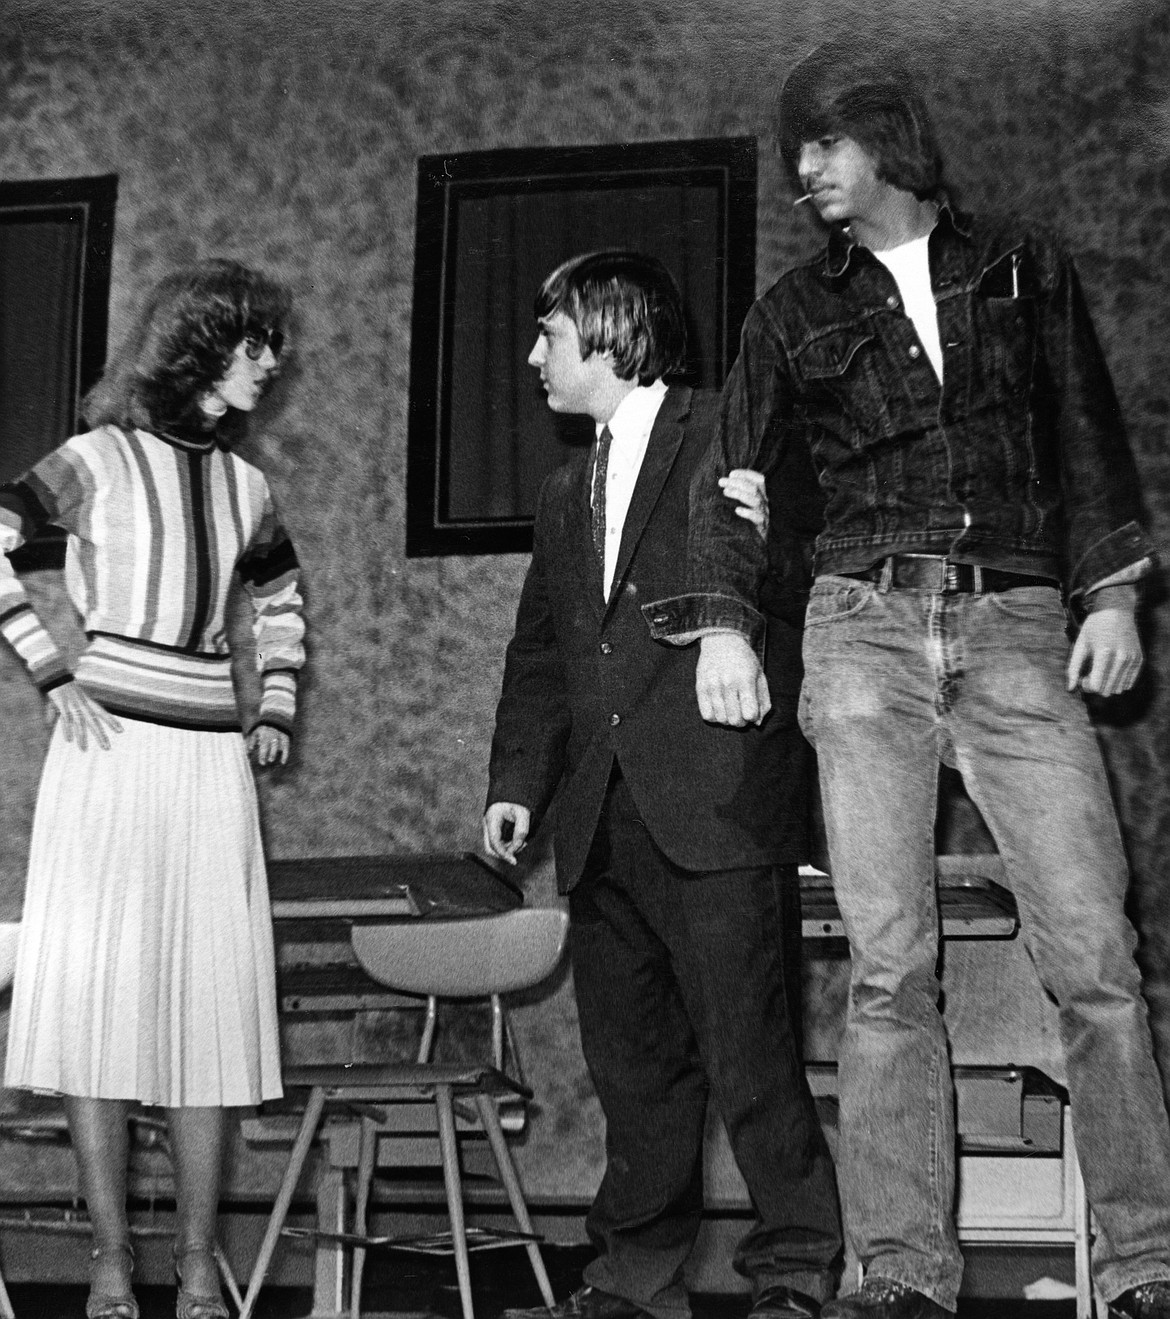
841, 244
630, 427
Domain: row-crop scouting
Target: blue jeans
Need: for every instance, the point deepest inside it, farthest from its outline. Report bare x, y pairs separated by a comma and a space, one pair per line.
895, 681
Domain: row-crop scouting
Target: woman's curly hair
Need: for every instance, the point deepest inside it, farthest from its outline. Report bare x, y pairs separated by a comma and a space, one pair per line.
190, 324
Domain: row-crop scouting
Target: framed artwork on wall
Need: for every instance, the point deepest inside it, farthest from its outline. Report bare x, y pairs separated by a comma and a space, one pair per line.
56, 238
490, 226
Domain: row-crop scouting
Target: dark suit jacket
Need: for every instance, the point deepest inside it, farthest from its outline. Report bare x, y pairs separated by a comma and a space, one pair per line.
585, 683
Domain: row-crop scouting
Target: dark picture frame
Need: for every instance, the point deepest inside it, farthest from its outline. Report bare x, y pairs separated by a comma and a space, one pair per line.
490, 225
56, 247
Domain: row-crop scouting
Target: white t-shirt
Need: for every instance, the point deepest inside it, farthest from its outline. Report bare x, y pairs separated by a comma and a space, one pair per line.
909, 263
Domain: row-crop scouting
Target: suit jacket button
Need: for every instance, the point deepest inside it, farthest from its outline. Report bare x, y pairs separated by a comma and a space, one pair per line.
615, 719
607, 647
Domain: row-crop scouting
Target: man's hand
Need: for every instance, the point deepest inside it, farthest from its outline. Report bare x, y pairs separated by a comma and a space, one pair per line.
1107, 656
81, 716
729, 681
268, 746
505, 830
747, 489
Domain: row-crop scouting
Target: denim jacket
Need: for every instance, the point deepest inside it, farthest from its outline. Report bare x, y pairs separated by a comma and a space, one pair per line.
1017, 461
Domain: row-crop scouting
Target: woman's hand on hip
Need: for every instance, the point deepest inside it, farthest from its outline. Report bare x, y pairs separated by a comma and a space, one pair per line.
81, 716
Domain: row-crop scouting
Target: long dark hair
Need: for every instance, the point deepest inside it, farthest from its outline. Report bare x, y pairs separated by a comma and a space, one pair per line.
189, 325
624, 303
839, 88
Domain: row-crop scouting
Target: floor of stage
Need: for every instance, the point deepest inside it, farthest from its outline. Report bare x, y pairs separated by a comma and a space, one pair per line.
423, 1287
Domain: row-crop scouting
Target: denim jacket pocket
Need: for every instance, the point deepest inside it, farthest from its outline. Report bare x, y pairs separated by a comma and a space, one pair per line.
836, 369
831, 354
1007, 334
1008, 277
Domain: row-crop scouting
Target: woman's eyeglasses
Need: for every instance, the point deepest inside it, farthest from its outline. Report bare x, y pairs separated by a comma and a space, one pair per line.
255, 342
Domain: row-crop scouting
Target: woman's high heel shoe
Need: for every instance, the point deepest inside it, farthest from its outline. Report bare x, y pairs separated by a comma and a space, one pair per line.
193, 1304
111, 1305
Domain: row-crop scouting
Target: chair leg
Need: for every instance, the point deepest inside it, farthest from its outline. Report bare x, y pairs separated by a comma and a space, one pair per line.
450, 1151
292, 1174
329, 1261
229, 1278
495, 1134
365, 1175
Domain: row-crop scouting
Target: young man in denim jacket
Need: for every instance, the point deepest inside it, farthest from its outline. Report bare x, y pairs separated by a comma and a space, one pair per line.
934, 381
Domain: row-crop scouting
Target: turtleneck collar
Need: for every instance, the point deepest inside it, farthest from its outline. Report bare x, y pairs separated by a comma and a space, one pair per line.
190, 438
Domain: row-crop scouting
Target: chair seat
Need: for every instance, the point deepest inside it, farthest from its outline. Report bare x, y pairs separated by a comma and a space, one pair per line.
369, 1080
464, 958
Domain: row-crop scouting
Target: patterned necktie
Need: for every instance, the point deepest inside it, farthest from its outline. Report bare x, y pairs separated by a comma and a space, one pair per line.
600, 472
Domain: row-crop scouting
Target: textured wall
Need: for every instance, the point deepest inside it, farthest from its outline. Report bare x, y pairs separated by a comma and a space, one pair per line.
287, 134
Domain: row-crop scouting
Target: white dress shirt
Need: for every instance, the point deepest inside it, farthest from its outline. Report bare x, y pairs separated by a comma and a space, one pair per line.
630, 427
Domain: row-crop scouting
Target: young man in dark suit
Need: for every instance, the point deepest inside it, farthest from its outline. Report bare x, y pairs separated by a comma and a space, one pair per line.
676, 840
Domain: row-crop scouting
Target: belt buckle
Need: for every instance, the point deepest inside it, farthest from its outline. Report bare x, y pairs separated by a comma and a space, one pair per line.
950, 577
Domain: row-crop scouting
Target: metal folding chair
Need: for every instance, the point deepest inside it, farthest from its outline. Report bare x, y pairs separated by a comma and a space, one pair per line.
479, 957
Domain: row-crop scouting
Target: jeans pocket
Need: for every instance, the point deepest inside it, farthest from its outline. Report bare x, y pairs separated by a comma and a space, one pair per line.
836, 598
1031, 604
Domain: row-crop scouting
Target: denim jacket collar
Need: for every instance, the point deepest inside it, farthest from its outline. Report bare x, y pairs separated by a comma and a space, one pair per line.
842, 244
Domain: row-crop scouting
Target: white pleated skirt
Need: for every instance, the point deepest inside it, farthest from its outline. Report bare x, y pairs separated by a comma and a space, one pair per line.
145, 969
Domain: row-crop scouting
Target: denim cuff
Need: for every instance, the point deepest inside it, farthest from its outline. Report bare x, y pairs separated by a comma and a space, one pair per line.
1120, 596
681, 619
1128, 549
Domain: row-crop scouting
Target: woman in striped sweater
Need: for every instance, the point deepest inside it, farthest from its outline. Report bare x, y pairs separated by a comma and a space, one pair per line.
145, 971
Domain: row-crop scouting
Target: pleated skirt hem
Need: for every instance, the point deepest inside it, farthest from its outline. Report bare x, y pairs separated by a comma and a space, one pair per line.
146, 968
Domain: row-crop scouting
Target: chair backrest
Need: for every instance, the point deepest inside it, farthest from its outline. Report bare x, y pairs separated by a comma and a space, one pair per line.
9, 934
466, 958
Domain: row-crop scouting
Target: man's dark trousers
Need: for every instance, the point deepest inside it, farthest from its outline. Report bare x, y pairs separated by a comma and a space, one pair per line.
681, 992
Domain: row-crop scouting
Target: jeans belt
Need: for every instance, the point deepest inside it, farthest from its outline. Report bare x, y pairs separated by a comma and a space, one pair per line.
931, 572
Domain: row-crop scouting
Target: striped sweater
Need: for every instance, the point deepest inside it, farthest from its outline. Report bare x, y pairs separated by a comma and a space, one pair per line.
156, 527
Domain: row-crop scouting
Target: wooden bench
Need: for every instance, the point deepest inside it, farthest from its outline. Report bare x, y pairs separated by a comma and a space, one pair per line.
974, 902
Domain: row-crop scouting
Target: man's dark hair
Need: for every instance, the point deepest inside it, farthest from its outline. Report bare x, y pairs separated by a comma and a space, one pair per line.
622, 303
189, 325
839, 89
